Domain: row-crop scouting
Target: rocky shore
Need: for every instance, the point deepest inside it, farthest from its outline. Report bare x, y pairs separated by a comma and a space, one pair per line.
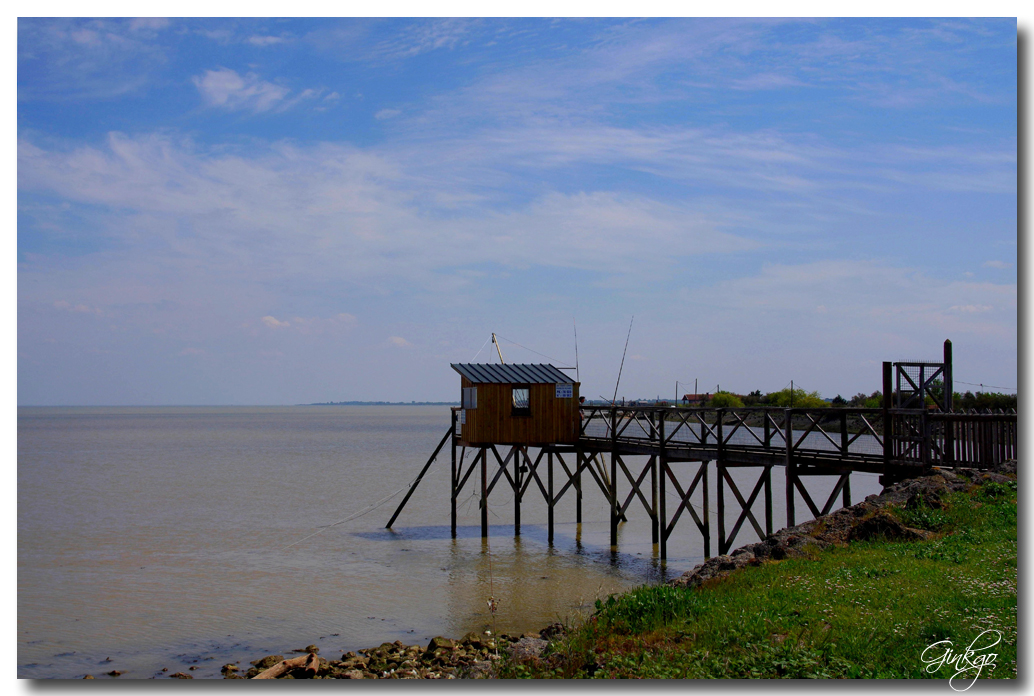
469, 657
870, 518
475, 655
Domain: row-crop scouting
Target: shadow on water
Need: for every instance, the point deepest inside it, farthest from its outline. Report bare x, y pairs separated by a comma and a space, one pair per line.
648, 569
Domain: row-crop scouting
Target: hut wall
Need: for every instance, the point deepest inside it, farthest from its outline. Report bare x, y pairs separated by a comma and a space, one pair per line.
552, 420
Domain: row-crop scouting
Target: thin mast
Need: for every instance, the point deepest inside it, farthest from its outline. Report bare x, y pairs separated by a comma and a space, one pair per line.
498, 349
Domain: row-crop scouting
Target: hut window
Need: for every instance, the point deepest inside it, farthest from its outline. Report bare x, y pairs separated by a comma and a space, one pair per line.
470, 397
521, 401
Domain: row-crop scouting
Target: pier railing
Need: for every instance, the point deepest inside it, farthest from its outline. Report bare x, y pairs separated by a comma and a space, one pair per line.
907, 437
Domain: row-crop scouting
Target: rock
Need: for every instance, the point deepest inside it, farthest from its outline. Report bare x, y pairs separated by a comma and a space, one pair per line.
440, 642
312, 649
114, 673
553, 629
353, 674
89, 676
227, 668
480, 669
193, 667
528, 648
882, 525
180, 675
268, 661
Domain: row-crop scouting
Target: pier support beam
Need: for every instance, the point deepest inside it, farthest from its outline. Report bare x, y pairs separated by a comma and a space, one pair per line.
453, 480
791, 474
484, 494
549, 488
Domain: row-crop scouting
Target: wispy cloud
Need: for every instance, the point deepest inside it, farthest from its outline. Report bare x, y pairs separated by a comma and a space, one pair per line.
225, 88
263, 41
274, 323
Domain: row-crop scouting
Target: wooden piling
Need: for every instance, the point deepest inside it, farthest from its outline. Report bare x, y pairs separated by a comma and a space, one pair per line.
484, 495
453, 479
549, 486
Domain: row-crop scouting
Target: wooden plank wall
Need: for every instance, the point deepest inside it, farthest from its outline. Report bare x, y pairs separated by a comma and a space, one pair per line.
552, 420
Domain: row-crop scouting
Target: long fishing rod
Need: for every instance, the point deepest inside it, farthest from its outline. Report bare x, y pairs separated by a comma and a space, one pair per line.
577, 374
614, 400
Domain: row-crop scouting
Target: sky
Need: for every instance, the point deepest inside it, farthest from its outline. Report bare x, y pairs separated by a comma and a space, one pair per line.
221, 211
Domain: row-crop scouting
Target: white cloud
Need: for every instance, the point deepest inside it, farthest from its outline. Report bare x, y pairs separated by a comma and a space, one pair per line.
78, 308
225, 88
399, 342
148, 23
997, 264
386, 113
265, 40
274, 323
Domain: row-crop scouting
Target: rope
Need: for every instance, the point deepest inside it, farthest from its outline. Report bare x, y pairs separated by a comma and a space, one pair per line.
357, 515
989, 386
529, 349
480, 349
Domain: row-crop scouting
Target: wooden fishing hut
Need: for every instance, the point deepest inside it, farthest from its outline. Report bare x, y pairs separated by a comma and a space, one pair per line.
522, 405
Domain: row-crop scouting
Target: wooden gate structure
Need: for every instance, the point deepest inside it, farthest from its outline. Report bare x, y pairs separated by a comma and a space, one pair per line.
683, 445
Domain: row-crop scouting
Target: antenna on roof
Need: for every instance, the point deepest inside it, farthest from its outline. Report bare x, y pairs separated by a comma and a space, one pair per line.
498, 349
622, 360
577, 374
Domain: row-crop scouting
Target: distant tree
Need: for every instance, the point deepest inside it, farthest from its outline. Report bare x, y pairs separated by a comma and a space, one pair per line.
858, 400
753, 398
984, 400
725, 400
798, 398
838, 401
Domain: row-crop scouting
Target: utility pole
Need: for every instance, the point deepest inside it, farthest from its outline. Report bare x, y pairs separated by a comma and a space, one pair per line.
791, 393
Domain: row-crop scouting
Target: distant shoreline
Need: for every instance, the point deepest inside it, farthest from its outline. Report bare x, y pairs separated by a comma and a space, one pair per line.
386, 403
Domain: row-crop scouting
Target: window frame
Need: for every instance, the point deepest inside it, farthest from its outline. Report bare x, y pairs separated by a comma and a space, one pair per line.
520, 412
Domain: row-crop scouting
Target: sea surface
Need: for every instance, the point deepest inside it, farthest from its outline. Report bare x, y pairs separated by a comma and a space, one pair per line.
189, 537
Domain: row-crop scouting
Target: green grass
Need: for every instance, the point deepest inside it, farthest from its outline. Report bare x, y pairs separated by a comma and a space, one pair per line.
864, 611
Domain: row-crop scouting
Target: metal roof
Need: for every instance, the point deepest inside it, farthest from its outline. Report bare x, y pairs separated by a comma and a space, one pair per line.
490, 373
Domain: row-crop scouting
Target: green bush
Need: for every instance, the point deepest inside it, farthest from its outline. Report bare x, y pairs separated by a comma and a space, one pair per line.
725, 400
797, 398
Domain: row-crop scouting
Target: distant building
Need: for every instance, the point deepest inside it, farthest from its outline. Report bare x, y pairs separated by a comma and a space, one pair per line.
695, 399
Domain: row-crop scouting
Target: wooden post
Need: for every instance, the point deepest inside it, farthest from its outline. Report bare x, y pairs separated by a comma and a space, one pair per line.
707, 512
484, 494
888, 425
613, 500
847, 491
453, 479
549, 487
663, 515
948, 379
579, 459
843, 435
791, 474
720, 475
518, 452
720, 471
653, 483
613, 477
768, 499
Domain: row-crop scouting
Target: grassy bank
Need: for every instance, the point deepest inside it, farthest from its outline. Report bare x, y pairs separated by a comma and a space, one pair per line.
864, 610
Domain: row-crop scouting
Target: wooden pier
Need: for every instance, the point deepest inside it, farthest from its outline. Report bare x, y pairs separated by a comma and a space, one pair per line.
683, 447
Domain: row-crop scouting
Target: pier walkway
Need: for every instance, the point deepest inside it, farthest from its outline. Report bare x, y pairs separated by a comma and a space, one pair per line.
683, 447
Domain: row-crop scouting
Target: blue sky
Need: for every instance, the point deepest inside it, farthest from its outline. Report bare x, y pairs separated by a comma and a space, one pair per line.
264, 211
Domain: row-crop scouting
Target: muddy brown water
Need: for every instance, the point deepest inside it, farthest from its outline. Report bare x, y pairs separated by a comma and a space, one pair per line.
176, 537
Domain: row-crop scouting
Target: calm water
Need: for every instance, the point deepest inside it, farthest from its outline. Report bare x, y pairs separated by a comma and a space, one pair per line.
166, 537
